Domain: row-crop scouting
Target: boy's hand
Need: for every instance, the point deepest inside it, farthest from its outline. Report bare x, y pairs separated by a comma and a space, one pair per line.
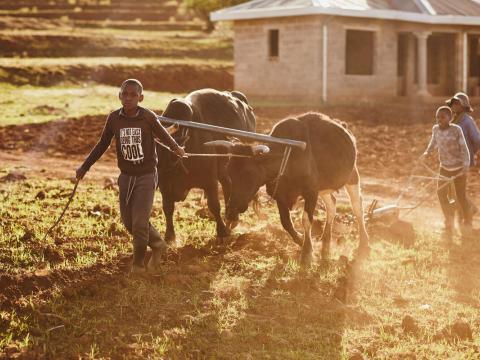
80, 173
180, 151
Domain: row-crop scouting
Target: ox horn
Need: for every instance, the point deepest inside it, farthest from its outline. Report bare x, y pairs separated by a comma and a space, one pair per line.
260, 149
222, 143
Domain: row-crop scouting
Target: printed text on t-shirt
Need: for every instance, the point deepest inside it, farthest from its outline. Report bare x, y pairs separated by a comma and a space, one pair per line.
131, 144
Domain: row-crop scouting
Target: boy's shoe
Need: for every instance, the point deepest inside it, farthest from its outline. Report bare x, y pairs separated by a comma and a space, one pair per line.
137, 271
474, 210
449, 225
159, 250
466, 230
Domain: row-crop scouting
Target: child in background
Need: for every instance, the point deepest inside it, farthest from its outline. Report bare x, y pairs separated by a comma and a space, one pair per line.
460, 105
454, 158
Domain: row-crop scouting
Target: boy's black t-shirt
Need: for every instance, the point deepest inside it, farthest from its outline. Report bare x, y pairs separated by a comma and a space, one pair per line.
134, 138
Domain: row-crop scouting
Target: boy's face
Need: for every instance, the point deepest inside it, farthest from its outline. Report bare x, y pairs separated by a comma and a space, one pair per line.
130, 96
443, 119
457, 107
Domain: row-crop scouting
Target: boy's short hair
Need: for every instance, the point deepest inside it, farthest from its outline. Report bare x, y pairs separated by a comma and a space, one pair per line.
445, 109
132, 81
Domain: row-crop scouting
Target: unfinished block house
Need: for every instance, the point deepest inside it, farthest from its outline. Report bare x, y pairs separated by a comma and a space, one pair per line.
339, 50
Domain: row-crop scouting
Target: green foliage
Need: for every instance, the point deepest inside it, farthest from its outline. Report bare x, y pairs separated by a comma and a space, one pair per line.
203, 8
26, 103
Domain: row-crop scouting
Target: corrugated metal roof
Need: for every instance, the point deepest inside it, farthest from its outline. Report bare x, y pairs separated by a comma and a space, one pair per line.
456, 7
404, 5
423, 11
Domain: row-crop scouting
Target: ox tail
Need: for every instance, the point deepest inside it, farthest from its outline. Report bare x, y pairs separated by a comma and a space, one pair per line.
256, 205
354, 177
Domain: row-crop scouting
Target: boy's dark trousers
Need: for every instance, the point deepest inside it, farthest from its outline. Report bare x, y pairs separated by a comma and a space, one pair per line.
460, 184
136, 201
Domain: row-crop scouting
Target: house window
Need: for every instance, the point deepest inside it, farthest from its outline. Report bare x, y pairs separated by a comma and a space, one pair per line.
474, 55
359, 52
273, 45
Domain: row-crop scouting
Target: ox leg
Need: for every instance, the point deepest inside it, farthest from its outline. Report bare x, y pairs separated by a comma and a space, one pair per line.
226, 187
214, 207
330, 205
168, 209
307, 221
287, 224
356, 200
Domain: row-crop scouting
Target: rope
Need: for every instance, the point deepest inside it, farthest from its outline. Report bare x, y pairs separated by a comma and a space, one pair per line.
187, 155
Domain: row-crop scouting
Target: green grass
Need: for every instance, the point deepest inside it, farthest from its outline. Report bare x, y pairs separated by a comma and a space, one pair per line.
98, 61
247, 298
31, 104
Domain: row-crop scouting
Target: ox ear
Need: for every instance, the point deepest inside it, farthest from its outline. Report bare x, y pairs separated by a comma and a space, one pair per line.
260, 149
178, 109
173, 129
240, 96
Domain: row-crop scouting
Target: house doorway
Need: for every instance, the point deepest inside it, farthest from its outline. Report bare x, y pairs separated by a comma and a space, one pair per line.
441, 64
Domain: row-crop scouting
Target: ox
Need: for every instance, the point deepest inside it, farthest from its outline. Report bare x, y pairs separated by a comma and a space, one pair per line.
177, 176
327, 164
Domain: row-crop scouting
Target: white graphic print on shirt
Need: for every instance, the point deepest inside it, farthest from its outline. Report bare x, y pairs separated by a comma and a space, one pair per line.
131, 144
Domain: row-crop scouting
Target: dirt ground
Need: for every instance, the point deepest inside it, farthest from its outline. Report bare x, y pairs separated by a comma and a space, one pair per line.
213, 297
388, 142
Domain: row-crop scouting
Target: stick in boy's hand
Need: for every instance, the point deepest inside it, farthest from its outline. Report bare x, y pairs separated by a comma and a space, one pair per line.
80, 173
179, 151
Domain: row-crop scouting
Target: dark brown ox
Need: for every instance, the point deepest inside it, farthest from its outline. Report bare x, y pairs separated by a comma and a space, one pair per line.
327, 164
177, 177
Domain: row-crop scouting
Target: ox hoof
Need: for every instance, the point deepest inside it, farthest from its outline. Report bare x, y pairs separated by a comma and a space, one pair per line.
306, 259
170, 238
363, 251
223, 232
231, 224
325, 252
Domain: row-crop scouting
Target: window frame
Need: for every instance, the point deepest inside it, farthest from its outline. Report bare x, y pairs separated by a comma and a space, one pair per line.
373, 32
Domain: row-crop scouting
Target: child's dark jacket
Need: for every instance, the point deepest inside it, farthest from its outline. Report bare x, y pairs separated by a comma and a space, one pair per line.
135, 144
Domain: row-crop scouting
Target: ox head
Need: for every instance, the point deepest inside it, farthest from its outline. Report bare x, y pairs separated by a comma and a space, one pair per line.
177, 109
247, 175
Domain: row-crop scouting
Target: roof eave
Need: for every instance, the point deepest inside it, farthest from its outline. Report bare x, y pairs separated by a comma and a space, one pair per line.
226, 14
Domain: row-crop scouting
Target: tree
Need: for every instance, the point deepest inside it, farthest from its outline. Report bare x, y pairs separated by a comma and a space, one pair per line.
203, 8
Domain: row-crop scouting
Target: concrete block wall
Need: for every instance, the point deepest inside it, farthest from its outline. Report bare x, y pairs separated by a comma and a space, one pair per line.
383, 82
294, 73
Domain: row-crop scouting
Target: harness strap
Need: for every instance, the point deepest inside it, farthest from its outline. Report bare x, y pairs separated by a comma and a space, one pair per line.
283, 167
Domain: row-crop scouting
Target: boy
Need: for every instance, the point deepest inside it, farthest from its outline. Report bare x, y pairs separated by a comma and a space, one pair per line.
134, 129
454, 161
460, 105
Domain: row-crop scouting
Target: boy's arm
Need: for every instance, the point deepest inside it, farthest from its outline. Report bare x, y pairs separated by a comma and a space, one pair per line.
464, 153
164, 136
99, 149
432, 144
474, 135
